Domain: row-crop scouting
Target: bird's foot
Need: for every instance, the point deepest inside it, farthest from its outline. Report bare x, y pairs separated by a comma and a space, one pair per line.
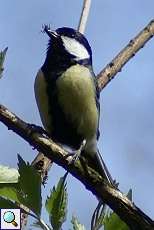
37, 128
115, 184
76, 154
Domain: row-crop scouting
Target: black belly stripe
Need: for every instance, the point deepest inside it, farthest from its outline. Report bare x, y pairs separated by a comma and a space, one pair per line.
63, 131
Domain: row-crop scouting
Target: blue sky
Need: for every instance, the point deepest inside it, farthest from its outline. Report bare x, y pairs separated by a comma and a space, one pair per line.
127, 124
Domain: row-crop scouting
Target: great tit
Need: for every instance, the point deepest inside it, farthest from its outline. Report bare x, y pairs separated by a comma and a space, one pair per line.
67, 94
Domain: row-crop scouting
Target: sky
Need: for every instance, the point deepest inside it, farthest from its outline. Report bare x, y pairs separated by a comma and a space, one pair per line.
126, 120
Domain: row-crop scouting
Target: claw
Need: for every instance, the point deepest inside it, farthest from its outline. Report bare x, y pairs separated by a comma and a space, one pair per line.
39, 129
76, 155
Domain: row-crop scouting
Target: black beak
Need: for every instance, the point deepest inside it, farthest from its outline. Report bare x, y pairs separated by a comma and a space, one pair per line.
50, 33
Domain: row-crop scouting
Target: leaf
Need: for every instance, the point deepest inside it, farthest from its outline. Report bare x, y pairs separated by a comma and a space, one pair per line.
10, 192
30, 184
8, 175
2, 58
56, 204
76, 224
9, 188
4, 203
113, 222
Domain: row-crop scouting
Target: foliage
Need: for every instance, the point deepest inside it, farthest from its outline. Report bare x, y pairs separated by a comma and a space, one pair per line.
30, 185
56, 204
23, 186
8, 175
76, 224
112, 221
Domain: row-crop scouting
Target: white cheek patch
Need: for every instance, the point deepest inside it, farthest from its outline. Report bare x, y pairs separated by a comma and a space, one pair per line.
75, 48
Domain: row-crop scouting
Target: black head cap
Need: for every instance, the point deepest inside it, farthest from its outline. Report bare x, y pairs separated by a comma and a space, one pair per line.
71, 40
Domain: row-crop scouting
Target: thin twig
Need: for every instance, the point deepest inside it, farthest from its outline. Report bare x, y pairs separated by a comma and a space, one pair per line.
84, 16
135, 44
119, 203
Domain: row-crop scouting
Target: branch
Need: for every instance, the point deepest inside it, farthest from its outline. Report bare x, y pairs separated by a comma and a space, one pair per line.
115, 66
127, 211
2, 58
84, 16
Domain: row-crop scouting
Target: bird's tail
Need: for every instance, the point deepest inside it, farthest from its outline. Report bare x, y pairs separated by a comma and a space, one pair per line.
96, 161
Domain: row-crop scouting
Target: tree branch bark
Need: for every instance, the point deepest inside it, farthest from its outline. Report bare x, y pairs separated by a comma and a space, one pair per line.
127, 211
135, 44
84, 16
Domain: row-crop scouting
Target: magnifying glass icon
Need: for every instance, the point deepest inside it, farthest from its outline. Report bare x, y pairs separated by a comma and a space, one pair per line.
9, 217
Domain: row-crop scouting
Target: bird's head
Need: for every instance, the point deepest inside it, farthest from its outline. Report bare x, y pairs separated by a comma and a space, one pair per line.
70, 44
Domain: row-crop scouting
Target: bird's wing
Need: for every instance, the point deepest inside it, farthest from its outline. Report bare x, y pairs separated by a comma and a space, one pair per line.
97, 98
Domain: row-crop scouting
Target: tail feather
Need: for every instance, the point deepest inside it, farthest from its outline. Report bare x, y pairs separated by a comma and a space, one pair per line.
96, 161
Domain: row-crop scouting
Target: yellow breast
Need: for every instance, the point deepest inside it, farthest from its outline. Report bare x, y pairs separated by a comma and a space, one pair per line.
76, 95
42, 100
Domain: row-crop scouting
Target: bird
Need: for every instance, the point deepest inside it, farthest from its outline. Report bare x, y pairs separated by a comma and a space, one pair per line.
68, 97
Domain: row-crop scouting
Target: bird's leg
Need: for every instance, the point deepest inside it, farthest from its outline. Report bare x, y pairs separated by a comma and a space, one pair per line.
76, 154
39, 129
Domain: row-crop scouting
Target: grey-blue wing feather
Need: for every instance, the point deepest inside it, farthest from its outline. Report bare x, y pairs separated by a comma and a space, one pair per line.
97, 98
96, 160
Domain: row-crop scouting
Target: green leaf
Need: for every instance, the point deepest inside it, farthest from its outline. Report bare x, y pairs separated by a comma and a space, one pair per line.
4, 203
30, 184
113, 222
8, 175
10, 192
56, 204
76, 224
9, 187
2, 58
